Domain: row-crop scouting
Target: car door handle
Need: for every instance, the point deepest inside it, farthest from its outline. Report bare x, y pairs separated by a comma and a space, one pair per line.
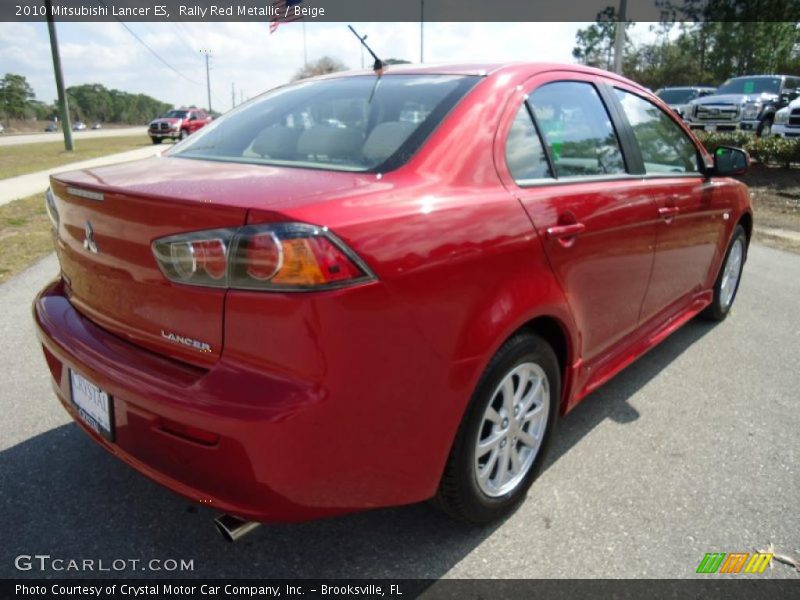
668, 211
562, 231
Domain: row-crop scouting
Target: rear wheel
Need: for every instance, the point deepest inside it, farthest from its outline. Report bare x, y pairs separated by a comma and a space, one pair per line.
729, 277
156, 140
501, 443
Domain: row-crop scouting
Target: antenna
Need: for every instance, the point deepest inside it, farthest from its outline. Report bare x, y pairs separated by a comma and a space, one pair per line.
379, 65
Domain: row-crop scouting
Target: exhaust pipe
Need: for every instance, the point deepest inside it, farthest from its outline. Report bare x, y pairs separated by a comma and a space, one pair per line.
232, 528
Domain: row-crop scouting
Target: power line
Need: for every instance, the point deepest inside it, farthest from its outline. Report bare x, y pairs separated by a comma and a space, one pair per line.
142, 42
182, 39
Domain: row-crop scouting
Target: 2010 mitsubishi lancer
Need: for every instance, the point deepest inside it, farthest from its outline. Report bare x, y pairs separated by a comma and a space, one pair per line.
368, 290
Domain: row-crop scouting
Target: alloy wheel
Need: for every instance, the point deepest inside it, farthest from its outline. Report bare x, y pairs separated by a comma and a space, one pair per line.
731, 274
512, 429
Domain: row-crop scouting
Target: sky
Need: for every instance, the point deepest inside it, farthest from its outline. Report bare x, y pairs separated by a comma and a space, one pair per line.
249, 57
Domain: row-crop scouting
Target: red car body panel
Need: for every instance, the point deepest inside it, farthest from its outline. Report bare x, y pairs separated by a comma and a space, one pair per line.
319, 403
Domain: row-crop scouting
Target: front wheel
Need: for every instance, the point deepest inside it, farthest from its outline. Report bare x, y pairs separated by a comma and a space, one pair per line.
502, 440
156, 140
183, 135
730, 275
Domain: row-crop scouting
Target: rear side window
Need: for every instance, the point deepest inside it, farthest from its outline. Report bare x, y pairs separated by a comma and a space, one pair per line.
577, 129
525, 155
346, 124
664, 145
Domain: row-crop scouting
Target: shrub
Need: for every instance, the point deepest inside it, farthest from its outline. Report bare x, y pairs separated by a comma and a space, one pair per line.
773, 150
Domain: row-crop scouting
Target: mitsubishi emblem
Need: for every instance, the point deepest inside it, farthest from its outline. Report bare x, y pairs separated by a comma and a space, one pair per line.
88, 241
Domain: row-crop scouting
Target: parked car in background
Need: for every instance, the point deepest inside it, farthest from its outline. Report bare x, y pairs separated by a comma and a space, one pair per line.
288, 322
177, 124
743, 103
787, 121
678, 98
51, 127
78, 126
97, 125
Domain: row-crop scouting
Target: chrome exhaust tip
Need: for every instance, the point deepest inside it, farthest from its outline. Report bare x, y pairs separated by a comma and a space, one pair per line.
233, 528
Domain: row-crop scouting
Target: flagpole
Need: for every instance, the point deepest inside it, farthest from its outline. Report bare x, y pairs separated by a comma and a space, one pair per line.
305, 50
421, 31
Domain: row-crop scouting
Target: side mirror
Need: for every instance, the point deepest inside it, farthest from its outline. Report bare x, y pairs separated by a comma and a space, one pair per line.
730, 161
193, 118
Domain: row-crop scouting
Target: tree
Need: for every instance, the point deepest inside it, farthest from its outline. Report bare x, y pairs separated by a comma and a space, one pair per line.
324, 65
94, 102
15, 95
594, 46
700, 42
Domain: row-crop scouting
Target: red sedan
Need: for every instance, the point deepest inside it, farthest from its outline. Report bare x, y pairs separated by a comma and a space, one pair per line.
362, 291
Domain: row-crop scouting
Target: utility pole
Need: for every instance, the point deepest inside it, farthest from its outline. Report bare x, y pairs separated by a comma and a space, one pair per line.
619, 37
208, 78
233, 95
63, 105
421, 31
241, 96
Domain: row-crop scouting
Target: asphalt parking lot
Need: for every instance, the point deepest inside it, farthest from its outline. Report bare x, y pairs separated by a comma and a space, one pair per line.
692, 449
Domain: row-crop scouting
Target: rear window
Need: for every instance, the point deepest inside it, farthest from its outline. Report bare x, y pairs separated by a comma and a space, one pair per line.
360, 123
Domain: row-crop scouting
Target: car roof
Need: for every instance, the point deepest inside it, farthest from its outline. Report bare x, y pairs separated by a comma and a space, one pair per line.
518, 69
759, 76
688, 87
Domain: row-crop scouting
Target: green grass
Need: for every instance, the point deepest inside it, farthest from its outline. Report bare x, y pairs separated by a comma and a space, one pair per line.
29, 158
25, 234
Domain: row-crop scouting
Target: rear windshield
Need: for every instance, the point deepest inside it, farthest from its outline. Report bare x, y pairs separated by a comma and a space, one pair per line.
360, 123
678, 96
751, 85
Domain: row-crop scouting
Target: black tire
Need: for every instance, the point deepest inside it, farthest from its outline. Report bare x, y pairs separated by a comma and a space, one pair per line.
718, 309
156, 140
765, 127
183, 135
459, 494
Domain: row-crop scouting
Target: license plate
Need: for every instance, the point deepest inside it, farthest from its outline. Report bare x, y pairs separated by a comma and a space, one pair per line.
95, 407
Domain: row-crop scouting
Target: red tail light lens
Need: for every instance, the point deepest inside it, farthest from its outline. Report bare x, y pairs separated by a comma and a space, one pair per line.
284, 257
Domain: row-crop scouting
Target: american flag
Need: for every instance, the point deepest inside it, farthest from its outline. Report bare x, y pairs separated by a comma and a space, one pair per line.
280, 11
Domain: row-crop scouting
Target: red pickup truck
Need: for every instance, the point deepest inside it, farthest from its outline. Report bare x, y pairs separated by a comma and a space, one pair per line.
177, 124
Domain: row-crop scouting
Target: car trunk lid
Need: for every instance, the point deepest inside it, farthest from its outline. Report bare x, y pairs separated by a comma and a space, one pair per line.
110, 216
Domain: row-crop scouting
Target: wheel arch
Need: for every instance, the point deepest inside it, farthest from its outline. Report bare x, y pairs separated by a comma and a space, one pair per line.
555, 332
746, 221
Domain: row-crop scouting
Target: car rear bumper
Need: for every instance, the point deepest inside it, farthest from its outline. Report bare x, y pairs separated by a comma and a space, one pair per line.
255, 466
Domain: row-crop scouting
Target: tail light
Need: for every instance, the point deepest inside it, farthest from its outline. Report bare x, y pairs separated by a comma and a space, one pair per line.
50, 207
280, 257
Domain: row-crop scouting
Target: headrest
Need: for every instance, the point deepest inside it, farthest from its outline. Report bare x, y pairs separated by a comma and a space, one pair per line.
386, 138
333, 142
277, 141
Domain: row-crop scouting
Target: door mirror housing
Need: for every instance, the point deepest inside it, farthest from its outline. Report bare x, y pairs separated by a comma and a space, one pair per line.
730, 161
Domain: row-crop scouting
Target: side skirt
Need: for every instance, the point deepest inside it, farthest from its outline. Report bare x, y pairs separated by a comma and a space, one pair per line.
588, 377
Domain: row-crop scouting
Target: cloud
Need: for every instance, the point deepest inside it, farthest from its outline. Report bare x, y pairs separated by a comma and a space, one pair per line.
246, 55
